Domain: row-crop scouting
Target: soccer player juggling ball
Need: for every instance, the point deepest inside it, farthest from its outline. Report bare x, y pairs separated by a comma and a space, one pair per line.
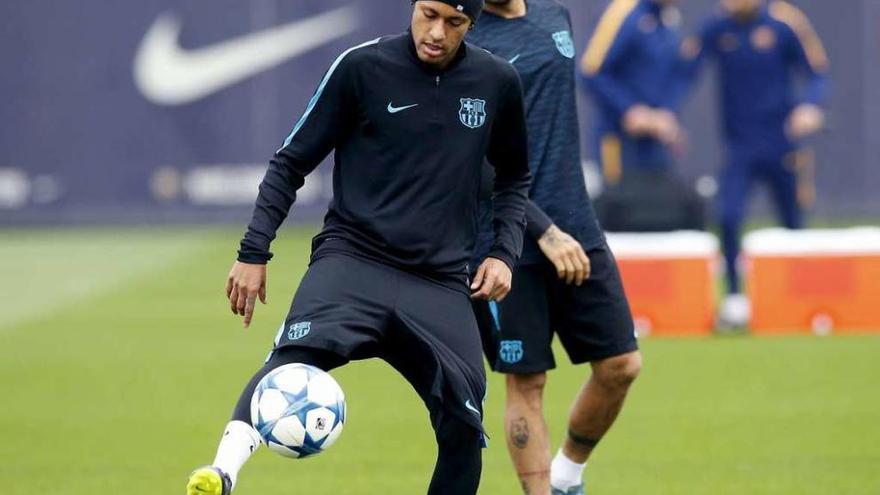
411, 118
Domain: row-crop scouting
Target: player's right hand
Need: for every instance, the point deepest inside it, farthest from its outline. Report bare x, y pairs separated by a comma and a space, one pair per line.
245, 283
566, 254
666, 128
639, 121
492, 281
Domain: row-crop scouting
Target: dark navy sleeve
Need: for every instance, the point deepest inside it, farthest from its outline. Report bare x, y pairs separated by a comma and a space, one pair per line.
608, 48
508, 154
537, 222
314, 136
693, 54
807, 55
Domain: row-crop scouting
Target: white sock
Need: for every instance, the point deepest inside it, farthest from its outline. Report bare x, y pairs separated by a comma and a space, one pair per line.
565, 473
239, 441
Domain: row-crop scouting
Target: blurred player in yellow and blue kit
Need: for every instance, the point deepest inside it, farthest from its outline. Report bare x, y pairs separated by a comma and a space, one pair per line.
634, 72
631, 63
773, 78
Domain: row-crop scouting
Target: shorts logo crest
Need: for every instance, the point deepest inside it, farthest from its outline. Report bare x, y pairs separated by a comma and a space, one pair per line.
511, 351
472, 113
564, 43
299, 330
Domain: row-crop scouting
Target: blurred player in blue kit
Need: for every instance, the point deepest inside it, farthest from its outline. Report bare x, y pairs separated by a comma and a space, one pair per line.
566, 282
631, 62
763, 50
632, 69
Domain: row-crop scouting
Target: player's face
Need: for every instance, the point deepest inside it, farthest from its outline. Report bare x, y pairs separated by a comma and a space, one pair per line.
741, 7
497, 3
438, 30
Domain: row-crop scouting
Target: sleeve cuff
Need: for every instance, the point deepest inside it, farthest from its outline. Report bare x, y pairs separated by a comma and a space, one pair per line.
254, 257
537, 222
503, 256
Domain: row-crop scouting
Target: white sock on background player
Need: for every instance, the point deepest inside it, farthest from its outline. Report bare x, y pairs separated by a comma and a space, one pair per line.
565, 473
240, 440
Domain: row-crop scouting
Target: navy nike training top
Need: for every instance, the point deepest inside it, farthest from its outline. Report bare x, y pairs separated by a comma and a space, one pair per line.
409, 143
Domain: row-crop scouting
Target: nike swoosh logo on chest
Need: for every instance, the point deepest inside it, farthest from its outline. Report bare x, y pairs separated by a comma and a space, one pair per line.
393, 109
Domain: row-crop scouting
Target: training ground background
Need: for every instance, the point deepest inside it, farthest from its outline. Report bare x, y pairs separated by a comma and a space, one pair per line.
120, 363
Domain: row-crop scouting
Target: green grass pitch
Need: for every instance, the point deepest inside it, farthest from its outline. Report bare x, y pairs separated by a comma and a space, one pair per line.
120, 362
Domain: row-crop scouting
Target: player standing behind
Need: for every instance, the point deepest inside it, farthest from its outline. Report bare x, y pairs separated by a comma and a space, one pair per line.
566, 281
411, 117
761, 49
631, 61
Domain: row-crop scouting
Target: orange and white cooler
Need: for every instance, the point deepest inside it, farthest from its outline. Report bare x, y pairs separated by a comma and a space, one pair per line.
819, 280
669, 280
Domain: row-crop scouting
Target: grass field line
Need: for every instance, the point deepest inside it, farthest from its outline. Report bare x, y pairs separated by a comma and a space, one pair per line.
47, 273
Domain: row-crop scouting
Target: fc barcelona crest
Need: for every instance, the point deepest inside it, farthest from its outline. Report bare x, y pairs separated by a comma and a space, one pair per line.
564, 43
299, 330
472, 113
511, 351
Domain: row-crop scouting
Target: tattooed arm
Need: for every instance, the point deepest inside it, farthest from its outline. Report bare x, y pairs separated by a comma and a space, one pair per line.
566, 254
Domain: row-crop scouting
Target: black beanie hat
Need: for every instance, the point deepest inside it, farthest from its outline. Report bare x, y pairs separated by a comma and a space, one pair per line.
470, 8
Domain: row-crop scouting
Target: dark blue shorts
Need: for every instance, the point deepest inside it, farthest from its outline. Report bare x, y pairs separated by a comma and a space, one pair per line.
361, 309
593, 321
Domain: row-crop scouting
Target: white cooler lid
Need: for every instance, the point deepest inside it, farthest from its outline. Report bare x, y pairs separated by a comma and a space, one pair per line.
814, 242
663, 245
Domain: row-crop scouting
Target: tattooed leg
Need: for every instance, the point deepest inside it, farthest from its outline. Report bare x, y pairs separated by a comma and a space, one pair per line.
519, 433
526, 432
598, 404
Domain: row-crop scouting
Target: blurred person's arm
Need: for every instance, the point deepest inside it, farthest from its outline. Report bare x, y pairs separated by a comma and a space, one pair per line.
694, 52
607, 49
806, 54
313, 137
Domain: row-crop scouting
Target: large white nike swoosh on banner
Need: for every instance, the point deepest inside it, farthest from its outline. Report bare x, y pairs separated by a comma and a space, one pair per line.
167, 74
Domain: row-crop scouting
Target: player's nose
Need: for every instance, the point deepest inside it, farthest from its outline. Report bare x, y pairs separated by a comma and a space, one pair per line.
437, 32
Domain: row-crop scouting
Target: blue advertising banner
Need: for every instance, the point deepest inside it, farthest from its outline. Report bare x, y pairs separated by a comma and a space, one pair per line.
168, 110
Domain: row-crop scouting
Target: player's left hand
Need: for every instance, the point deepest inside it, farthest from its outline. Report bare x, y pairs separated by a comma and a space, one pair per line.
804, 121
493, 280
567, 255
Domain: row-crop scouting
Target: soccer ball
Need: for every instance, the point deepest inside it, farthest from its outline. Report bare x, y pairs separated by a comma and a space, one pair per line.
298, 409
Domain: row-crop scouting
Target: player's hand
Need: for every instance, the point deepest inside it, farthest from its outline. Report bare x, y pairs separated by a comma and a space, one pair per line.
245, 283
492, 282
639, 121
566, 254
805, 120
667, 129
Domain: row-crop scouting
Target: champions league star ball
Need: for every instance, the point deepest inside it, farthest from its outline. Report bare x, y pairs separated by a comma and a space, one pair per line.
299, 410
